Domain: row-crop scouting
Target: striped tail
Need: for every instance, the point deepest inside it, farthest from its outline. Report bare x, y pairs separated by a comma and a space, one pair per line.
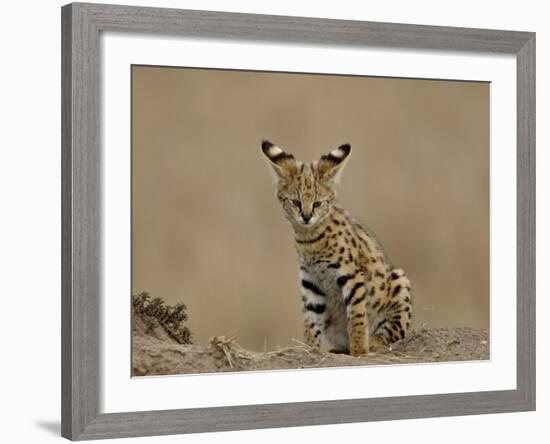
397, 311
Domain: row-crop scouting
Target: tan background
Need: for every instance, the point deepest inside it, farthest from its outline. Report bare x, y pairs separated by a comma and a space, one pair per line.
208, 231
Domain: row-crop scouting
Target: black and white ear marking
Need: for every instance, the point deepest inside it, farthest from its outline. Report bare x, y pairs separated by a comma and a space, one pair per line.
282, 163
274, 153
330, 165
338, 155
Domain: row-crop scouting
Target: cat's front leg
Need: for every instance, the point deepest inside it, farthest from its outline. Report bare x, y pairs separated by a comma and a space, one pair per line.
354, 295
314, 300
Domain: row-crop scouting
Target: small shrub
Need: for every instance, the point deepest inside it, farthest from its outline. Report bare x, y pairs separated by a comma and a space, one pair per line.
156, 313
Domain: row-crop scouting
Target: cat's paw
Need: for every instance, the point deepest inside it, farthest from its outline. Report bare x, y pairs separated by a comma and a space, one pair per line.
376, 343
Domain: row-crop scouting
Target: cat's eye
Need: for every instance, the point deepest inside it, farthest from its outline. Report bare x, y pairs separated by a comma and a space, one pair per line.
296, 203
316, 204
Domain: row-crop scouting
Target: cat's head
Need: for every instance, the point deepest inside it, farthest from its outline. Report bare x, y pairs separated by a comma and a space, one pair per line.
306, 191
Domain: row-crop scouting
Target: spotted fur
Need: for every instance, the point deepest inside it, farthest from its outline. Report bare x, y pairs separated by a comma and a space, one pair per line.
352, 296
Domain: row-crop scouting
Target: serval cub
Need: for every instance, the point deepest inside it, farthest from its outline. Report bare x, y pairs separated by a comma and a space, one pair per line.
352, 296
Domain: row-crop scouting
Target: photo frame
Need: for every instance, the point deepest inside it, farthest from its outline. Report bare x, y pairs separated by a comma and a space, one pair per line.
82, 240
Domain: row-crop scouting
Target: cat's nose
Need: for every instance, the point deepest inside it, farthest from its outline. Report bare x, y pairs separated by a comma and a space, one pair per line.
306, 217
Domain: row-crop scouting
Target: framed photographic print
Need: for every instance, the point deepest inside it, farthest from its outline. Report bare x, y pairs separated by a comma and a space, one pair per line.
278, 221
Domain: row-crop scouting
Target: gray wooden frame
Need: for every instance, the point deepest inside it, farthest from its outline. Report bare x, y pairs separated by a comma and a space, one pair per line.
81, 235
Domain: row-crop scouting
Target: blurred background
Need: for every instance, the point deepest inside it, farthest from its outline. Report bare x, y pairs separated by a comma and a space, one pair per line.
209, 232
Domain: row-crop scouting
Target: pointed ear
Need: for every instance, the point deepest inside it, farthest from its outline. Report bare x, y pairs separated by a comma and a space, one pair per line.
283, 164
330, 165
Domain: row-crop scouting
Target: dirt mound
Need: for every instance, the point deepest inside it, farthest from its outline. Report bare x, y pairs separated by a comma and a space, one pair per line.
156, 352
